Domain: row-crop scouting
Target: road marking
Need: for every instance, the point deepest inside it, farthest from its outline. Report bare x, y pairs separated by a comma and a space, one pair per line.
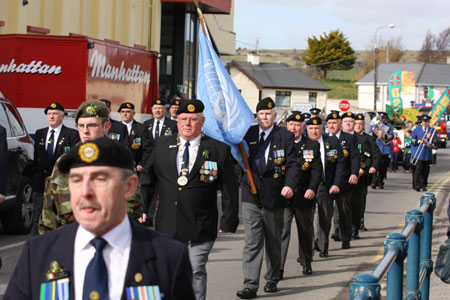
12, 246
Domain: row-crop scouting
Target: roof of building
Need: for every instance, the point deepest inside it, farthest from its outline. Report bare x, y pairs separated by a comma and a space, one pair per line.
280, 75
425, 73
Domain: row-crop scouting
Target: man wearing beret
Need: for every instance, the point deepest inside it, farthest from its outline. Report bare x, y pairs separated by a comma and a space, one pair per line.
174, 104
118, 131
103, 255
92, 122
301, 206
156, 127
275, 168
422, 141
383, 140
370, 159
349, 145
50, 143
315, 112
330, 184
135, 132
188, 169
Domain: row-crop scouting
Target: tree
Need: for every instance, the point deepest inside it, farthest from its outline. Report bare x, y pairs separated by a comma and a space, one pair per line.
435, 48
331, 51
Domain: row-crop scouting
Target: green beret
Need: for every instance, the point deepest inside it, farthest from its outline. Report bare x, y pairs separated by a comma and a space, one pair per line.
314, 121
99, 152
191, 107
54, 106
296, 116
266, 103
348, 115
91, 108
127, 105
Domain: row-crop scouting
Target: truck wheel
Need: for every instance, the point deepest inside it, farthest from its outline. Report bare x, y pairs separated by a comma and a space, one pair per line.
19, 219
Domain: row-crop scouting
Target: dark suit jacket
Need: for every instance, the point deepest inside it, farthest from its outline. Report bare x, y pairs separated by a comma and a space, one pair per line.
370, 155
189, 213
43, 165
3, 160
136, 138
269, 188
120, 129
349, 145
160, 260
334, 162
310, 172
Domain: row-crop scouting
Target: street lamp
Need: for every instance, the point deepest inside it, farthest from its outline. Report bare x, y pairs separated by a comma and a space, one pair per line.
375, 54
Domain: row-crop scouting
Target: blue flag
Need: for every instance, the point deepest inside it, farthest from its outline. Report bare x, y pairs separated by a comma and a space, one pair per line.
227, 115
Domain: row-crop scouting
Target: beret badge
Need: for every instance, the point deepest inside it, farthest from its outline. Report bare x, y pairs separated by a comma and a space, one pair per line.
314, 122
88, 152
91, 110
53, 105
334, 115
191, 108
128, 105
158, 101
269, 105
297, 117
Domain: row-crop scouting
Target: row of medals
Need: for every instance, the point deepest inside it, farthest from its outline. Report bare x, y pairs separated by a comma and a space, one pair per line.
279, 161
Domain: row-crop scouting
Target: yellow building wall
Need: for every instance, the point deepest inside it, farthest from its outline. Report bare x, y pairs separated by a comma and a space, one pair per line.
127, 21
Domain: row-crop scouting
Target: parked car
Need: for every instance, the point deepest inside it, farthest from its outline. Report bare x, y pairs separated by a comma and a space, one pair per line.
441, 133
17, 211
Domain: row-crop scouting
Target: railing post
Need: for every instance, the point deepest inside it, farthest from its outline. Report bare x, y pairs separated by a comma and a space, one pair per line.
395, 273
426, 241
365, 286
412, 291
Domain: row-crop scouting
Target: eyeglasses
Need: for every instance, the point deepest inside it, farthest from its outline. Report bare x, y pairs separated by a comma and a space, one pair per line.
88, 126
192, 120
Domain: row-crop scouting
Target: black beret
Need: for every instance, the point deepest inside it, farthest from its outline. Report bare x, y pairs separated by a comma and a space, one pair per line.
359, 117
190, 107
91, 108
99, 152
127, 105
334, 111
107, 102
348, 115
333, 116
306, 115
295, 116
382, 114
54, 105
419, 118
314, 121
159, 101
176, 101
372, 114
315, 111
426, 118
266, 103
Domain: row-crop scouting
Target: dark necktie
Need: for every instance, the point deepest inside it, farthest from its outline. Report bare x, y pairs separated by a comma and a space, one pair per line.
96, 278
157, 130
186, 156
261, 139
263, 158
50, 143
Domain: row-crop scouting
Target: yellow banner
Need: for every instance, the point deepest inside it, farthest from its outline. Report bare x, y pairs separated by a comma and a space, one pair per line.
410, 114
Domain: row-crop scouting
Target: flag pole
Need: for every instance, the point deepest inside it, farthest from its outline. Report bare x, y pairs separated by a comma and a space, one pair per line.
241, 145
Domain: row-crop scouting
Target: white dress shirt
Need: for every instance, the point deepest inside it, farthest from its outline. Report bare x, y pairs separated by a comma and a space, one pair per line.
322, 153
193, 149
55, 136
338, 135
161, 123
129, 125
266, 134
116, 255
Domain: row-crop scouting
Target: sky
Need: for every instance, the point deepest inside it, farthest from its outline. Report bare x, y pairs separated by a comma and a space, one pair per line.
287, 24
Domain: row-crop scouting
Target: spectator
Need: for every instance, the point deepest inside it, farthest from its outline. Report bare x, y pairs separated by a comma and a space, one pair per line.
396, 142
407, 152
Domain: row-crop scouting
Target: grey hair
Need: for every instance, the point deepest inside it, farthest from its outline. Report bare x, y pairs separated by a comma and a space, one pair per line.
126, 173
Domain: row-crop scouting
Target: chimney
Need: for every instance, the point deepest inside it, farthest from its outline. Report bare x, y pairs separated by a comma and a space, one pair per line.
253, 59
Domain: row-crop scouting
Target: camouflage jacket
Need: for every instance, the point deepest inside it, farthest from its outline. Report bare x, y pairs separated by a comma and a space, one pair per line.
56, 209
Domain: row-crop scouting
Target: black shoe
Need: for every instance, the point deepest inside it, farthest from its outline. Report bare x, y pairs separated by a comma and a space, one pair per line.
307, 270
417, 189
335, 236
345, 245
355, 235
323, 254
270, 287
373, 186
316, 246
424, 189
382, 186
246, 294
281, 274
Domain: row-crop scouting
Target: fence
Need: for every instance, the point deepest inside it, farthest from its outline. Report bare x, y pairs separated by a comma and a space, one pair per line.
413, 243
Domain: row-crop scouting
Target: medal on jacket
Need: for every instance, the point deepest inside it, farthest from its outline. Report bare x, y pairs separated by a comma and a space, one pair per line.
58, 283
183, 180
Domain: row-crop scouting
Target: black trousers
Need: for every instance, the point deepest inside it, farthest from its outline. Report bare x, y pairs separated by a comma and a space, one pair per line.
382, 170
344, 216
421, 172
359, 196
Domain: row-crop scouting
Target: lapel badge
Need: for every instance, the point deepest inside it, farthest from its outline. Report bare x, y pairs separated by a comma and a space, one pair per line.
56, 272
138, 277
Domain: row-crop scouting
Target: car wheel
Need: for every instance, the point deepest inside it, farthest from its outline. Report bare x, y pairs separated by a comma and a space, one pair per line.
19, 219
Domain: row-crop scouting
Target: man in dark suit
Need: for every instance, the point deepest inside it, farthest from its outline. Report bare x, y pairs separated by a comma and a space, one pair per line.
173, 107
370, 159
3, 167
301, 206
349, 145
156, 127
275, 169
135, 132
188, 169
118, 131
330, 185
50, 143
104, 254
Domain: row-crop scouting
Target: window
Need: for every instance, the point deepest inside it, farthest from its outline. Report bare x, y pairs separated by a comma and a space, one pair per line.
14, 118
425, 92
283, 98
4, 120
312, 98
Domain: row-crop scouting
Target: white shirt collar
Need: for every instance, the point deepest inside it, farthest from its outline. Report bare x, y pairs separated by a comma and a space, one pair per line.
192, 143
338, 135
57, 129
267, 132
160, 121
298, 140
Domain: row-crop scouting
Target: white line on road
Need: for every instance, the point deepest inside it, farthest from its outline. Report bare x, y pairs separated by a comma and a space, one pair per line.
12, 246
